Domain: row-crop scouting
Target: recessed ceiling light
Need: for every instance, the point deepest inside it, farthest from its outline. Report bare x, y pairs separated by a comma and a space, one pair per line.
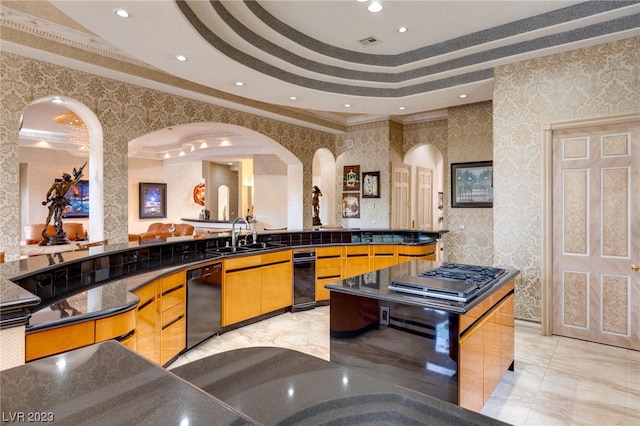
402, 29
121, 13
375, 7
362, 1
347, 105
293, 98
463, 96
402, 108
239, 83
181, 58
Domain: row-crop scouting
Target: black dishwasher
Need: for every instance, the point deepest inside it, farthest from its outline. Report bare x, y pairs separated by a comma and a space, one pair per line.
203, 303
304, 280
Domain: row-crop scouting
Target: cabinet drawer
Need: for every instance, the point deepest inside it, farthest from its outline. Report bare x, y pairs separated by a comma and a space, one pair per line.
357, 250
172, 314
280, 256
333, 272
242, 262
146, 293
331, 262
173, 281
384, 250
334, 251
173, 297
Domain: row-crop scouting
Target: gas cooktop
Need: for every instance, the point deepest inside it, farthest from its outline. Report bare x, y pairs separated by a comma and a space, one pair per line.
451, 281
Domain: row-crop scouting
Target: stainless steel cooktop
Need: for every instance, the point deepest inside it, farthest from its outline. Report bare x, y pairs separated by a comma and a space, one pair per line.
451, 281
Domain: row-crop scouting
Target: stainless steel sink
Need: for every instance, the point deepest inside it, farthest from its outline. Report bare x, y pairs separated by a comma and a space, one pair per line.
260, 246
243, 248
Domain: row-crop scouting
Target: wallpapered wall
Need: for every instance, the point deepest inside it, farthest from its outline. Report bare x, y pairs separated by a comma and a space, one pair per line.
470, 138
125, 112
591, 82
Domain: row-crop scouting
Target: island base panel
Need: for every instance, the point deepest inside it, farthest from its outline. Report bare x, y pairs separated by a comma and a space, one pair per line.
407, 345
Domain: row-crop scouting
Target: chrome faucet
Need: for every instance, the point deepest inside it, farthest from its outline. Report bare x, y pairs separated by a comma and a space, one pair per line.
234, 234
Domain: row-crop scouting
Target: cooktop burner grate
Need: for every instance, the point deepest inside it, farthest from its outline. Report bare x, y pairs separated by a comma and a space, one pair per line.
451, 281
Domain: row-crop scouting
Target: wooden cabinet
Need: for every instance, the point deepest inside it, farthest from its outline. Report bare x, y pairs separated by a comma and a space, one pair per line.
148, 339
161, 318
277, 281
255, 285
173, 316
383, 256
486, 352
241, 296
328, 269
413, 252
73, 336
356, 260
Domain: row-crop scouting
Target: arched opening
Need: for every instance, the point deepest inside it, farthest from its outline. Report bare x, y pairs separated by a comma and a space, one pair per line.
324, 177
427, 174
263, 178
40, 167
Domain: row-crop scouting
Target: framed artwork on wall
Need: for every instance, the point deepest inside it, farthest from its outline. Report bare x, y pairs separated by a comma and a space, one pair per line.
350, 204
78, 196
153, 200
472, 184
351, 178
370, 184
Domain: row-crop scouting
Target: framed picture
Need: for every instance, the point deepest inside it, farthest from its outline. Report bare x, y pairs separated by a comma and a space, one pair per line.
370, 184
78, 196
351, 178
153, 200
351, 205
472, 184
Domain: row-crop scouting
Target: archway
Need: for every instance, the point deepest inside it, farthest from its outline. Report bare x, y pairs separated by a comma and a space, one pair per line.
324, 177
32, 176
188, 154
426, 157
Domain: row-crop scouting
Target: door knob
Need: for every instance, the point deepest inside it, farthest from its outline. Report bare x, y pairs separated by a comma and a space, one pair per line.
635, 267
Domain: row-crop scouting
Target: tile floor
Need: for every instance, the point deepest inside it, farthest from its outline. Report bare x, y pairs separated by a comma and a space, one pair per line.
557, 380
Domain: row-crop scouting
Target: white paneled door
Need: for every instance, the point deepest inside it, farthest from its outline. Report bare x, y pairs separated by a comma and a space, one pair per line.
596, 234
400, 196
424, 198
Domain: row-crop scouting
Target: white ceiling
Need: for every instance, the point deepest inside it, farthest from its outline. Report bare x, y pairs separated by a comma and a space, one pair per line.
311, 50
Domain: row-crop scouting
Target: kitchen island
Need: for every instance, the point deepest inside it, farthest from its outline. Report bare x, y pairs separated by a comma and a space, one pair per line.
455, 347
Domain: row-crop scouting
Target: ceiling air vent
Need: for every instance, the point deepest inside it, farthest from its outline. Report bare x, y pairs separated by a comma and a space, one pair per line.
369, 41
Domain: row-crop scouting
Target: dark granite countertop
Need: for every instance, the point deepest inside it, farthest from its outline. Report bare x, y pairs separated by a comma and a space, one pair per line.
285, 387
106, 384
375, 285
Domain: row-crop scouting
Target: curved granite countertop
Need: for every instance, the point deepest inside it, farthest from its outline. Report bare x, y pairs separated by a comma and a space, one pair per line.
106, 384
285, 387
18, 305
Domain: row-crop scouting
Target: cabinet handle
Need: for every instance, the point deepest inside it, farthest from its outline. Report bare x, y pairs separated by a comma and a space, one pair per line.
635, 267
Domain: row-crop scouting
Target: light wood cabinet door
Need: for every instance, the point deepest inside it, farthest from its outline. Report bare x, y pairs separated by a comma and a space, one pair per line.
147, 330
57, 340
384, 255
471, 372
357, 261
277, 287
241, 296
173, 340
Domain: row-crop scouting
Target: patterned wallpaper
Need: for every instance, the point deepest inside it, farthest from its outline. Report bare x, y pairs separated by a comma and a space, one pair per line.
470, 138
366, 145
125, 112
591, 82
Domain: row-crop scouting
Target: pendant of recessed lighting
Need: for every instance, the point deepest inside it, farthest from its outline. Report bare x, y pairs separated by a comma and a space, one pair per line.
374, 6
